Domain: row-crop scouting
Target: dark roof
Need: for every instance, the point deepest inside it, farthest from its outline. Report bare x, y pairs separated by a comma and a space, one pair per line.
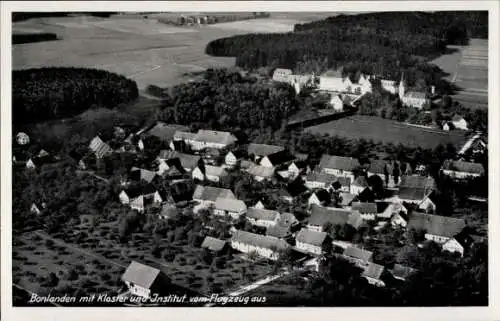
238, 153
366, 195
338, 162
287, 219
364, 208
321, 215
278, 231
136, 191
347, 198
214, 136
141, 274
39, 161
262, 214
263, 149
164, 131
322, 195
321, 177
280, 157
138, 174
311, 237
357, 253
400, 271
360, 181
373, 270
409, 193
210, 193
461, 166
213, 244
75, 155
418, 182
436, 224
377, 166
258, 240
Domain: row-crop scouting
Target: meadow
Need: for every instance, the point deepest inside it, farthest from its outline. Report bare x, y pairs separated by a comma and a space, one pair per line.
388, 131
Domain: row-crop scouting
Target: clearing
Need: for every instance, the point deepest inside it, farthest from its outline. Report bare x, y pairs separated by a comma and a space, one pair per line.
388, 131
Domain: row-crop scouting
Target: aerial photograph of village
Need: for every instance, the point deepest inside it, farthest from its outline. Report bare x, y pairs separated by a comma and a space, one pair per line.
250, 159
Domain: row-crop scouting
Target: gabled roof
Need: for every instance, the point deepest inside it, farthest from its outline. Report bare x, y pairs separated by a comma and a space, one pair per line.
279, 231
322, 195
465, 167
414, 194
134, 192
377, 166
416, 94
436, 224
261, 171
321, 177
139, 174
417, 181
168, 154
262, 214
311, 237
301, 156
215, 171
213, 244
402, 272
321, 215
258, 240
230, 204
364, 208
141, 274
357, 253
373, 271
213, 136
99, 147
347, 198
187, 160
263, 149
164, 131
210, 193
366, 195
238, 153
360, 181
457, 118
183, 135
338, 162
280, 157
287, 219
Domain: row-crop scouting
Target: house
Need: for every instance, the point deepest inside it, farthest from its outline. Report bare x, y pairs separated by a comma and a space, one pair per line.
262, 217
209, 172
169, 212
279, 231
439, 229
165, 166
366, 195
319, 216
360, 184
143, 280
140, 197
399, 219
297, 168
266, 246
287, 219
141, 174
258, 151
382, 169
229, 206
212, 139
342, 184
402, 272
356, 253
311, 241
390, 86
260, 173
259, 205
460, 243
37, 208
338, 165
282, 75
477, 144
336, 102
207, 195
415, 99
319, 197
213, 244
426, 182
165, 132
232, 157
37, 162
183, 136
317, 179
385, 210
344, 84
99, 147
368, 211
374, 274
422, 197
276, 159
459, 122
188, 161
461, 170
285, 195
346, 199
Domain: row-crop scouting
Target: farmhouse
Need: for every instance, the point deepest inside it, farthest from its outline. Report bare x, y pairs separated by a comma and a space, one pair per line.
141, 174
165, 132
335, 216
323, 180
207, 195
383, 169
385, 210
261, 150
143, 280
402, 272
359, 185
182, 136
413, 99
282, 75
368, 211
232, 157
188, 161
266, 246
319, 197
213, 244
420, 196
345, 85
311, 241
440, 229
416, 181
356, 253
459, 122
260, 173
338, 165
99, 147
374, 274
229, 206
279, 231
461, 170
275, 159
262, 217
399, 219
209, 172
212, 139
346, 199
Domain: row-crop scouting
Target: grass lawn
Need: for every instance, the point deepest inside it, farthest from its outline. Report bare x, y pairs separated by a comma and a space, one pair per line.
388, 131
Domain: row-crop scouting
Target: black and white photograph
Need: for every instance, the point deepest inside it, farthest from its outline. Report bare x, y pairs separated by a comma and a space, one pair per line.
237, 158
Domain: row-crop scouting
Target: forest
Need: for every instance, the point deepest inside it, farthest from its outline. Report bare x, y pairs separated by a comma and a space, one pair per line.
48, 93
373, 43
225, 99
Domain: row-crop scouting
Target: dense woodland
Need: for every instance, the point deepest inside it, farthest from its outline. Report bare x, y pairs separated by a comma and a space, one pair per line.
228, 99
373, 43
47, 93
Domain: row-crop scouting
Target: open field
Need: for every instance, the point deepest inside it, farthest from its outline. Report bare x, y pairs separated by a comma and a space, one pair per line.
388, 131
468, 70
